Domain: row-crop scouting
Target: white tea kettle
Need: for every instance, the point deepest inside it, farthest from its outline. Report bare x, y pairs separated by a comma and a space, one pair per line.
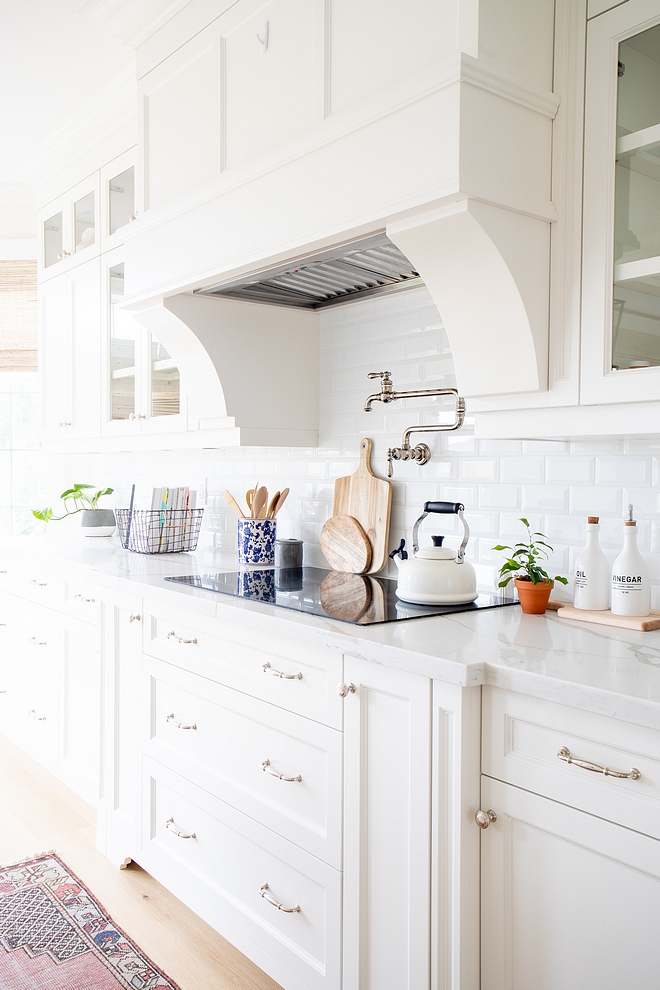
435, 575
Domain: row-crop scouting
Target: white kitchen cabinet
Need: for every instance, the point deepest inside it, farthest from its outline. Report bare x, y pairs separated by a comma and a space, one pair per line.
142, 391
69, 229
70, 345
387, 823
569, 901
80, 699
120, 812
118, 205
621, 273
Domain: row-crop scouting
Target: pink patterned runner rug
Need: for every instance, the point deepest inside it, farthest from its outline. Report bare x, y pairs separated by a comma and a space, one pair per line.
54, 935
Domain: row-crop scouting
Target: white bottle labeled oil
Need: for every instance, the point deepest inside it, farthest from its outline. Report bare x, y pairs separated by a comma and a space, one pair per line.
592, 573
631, 591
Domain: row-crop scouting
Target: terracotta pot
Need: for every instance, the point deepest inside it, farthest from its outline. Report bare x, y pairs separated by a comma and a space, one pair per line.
534, 597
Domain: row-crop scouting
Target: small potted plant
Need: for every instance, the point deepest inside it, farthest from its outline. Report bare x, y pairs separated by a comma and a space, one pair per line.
524, 566
83, 498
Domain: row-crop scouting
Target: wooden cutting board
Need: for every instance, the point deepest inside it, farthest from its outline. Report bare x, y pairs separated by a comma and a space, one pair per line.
345, 545
368, 499
345, 596
642, 623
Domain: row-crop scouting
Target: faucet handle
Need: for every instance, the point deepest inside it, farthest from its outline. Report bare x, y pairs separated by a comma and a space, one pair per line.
384, 375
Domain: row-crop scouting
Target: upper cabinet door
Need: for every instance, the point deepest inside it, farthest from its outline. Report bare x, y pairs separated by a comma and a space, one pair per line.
621, 270
69, 229
118, 203
181, 120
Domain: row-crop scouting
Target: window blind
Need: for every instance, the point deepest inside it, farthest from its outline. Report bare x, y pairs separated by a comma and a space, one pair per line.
18, 316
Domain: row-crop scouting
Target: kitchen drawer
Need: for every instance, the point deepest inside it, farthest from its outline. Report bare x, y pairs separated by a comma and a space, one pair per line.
226, 862
523, 736
29, 714
81, 600
300, 678
34, 584
232, 745
33, 640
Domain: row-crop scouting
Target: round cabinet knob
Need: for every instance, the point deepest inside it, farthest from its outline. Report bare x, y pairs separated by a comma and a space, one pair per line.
485, 818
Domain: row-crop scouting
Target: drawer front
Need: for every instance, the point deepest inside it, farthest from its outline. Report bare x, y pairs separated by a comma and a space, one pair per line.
523, 738
227, 862
283, 770
29, 712
33, 640
34, 584
81, 600
300, 678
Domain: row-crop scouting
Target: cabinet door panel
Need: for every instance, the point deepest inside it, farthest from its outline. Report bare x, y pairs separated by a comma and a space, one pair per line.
81, 713
56, 357
181, 107
387, 739
569, 901
272, 95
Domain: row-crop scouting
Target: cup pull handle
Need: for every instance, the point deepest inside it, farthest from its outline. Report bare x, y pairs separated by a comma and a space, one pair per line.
565, 755
180, 639
263, 890
266, 767
179, 725
181, 835
267, 669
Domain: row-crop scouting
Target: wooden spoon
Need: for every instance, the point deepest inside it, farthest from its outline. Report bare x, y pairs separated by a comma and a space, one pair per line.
271, 508
234, 504
259, 502
249, 499
280, 502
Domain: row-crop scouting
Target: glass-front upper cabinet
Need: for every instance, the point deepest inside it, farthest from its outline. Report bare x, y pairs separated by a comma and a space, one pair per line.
69, 229
142, 391
621, 270
118, 208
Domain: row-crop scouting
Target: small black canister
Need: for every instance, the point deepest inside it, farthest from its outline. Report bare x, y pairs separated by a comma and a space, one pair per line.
288, 553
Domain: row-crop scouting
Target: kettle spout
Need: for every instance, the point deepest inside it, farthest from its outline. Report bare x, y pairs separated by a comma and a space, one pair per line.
399, 554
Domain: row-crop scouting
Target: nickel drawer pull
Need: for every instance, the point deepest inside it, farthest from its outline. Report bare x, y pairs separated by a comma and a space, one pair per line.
37, 642
182, 835
266, 767
39, 584
180, 639
179, 725
37, 718
80, 598
263, 890
565, 755
267, 669
3, 690
134, 618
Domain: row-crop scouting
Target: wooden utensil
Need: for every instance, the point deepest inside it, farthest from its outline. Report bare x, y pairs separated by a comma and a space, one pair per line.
368, 499
345, 545
259, 502
234, 504
271, 508
345, 596
280, 502
249, 499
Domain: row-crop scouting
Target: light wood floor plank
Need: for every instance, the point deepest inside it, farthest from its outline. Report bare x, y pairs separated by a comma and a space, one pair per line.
37, 812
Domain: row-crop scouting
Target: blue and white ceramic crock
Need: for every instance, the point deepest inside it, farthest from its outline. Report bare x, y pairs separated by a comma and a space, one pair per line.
256, 541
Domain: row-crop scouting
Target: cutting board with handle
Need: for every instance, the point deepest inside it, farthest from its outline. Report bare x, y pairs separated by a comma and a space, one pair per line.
369, 500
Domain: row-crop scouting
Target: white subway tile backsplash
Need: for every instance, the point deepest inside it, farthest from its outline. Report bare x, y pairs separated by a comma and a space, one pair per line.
519, 469
554, 483
623, 471
547, 498
575, 469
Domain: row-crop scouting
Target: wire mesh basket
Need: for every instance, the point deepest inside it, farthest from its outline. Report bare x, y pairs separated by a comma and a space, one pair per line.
159, 531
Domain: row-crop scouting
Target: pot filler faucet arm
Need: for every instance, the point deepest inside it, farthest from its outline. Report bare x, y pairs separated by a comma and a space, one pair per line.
421, 454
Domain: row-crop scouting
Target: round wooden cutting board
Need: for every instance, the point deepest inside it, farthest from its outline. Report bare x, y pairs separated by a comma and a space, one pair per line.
345, 596
345, 545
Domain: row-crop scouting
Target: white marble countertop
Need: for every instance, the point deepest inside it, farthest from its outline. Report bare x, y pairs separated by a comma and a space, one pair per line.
603, 669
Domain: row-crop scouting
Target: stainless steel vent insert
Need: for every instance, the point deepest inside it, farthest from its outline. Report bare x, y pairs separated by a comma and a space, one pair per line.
360, 268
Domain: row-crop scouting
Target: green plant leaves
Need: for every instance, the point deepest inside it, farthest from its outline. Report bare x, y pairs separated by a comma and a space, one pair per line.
525, 559
81, 499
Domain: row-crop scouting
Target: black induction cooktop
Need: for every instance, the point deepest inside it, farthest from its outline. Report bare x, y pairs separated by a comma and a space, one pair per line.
356, 598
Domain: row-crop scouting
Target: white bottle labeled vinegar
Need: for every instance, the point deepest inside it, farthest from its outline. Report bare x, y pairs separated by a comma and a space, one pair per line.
592, 573
631, 591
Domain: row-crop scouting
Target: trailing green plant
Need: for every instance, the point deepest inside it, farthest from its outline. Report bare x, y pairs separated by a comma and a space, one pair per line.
79, 497
525, 562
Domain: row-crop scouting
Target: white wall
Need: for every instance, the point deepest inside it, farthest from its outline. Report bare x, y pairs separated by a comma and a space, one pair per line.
555, 484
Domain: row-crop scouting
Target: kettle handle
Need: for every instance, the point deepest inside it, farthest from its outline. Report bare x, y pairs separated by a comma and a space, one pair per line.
447, 508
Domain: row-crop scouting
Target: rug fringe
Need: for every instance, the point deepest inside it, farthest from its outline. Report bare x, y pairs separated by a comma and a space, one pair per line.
28, 859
